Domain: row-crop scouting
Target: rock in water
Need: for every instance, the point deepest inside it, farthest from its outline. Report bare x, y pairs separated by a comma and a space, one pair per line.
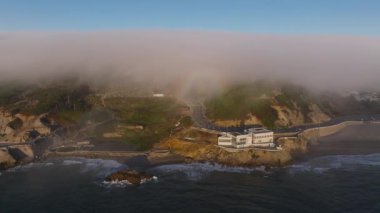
132, 176
23, 154
6, 160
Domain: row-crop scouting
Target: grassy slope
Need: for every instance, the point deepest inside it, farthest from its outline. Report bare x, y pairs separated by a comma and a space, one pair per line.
76, 106
157, 115
239, 101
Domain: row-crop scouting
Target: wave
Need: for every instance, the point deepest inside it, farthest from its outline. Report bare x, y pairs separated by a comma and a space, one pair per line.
71, 162
198, 171
326, 163
99, 166
29, 166
117, 184
125, 183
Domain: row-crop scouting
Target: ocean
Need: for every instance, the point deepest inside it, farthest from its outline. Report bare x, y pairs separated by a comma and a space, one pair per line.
334, 183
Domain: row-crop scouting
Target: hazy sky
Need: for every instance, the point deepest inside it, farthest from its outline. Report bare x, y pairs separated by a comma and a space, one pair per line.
316, 61
318, 43
348, 17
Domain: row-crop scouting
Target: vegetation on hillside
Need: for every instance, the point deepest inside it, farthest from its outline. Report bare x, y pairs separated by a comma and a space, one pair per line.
66, 103
296, 97
140, 121
241, 100
156, 116
15, 124
259, 99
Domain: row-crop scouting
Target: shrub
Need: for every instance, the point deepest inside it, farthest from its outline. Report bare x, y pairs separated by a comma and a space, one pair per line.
15, 124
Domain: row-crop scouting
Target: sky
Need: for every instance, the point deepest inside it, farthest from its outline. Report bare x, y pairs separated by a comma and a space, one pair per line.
321, 43
327, 17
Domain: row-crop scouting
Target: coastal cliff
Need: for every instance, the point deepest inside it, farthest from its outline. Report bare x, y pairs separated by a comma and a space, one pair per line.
16, 128
279, 105
208, 152
15, 155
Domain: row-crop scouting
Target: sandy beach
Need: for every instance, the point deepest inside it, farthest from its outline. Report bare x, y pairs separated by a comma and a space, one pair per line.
353, 140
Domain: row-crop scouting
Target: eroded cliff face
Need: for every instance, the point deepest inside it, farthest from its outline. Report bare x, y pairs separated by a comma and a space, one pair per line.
14, 155
271, 105
211, 153
286, 117
6, 159
292, 117
15, 128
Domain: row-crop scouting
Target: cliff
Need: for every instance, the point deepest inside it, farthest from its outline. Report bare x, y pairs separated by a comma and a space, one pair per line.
208, 152
16, 128
14, 155
266, 104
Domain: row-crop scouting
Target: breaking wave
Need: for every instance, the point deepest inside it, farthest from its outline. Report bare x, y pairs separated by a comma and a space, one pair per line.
125, 183
29, 166
326, 163
117, 184
98, 166
197, 171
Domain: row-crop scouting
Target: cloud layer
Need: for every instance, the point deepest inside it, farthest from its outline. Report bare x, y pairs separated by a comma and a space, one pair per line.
163, 56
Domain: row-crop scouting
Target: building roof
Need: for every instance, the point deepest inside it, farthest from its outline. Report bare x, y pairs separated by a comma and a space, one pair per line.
259, 130
230, 134
256, 130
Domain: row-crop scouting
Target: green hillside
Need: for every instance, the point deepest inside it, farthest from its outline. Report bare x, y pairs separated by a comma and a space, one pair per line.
137, 121
263, 100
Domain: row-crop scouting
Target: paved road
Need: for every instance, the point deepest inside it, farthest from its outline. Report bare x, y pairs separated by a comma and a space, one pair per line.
199, 118
13, 144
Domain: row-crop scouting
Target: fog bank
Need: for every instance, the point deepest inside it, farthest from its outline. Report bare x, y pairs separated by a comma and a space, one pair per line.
335, 62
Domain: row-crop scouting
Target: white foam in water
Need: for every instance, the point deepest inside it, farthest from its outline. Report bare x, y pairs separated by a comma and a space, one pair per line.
71, 162
322, 164
197, 171
100, 166
30, 166
117, 184
125, 183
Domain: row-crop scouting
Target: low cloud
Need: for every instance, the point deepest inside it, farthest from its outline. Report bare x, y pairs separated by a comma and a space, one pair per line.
335, 62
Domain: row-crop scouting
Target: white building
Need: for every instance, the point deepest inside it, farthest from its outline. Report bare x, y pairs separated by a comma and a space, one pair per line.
255, 137
158, 95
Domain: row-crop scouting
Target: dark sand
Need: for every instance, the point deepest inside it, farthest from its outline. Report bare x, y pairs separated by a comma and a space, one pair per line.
353, 140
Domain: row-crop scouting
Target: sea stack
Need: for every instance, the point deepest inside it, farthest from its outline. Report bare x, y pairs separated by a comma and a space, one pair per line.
132, 176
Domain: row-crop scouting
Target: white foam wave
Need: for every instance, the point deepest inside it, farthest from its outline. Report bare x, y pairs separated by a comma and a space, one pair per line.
325, 163
117, 184
125, 183
71, 162
99, 166
30, 166
197, 171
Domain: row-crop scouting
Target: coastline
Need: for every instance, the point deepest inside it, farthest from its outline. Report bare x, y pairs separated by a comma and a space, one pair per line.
135, 160
351, 140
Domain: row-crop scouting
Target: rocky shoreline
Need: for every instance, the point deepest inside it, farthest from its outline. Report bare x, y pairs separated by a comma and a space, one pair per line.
15, 155
173, 150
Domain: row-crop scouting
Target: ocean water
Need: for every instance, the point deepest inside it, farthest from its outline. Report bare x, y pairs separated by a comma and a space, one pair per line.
338, 183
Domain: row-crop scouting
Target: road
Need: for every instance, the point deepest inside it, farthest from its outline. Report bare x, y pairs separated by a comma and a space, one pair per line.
14, 144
